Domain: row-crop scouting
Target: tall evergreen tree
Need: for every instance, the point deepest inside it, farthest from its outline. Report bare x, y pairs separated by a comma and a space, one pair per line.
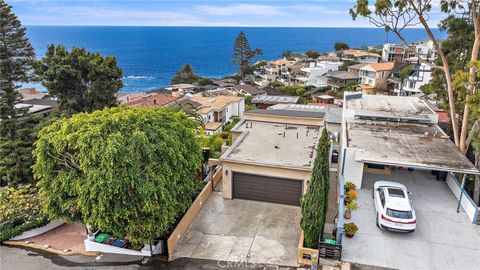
16, 130
81, 80
242, 53
315, 201
185, 75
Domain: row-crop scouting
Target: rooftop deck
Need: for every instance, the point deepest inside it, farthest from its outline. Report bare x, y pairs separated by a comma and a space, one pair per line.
273, 144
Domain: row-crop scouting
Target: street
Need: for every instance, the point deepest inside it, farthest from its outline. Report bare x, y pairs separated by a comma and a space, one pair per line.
12, 258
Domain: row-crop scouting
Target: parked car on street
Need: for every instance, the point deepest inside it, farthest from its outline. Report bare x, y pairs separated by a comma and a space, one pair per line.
394, 211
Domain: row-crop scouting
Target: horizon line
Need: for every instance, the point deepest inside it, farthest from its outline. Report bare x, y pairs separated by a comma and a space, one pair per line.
214, 26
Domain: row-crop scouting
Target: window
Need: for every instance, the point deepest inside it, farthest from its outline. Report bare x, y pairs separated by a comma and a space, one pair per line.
399, 214
396, 192
381, 194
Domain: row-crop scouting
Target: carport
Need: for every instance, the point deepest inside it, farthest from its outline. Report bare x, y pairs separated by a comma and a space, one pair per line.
413, 154
377, 146
398, 139
444, 239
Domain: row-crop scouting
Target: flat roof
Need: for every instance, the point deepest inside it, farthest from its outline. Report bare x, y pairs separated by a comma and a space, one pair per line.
343, 75
334, 115
390, 106
298, 107
213, 125
264, 143
275, 99
406, 144
292, 113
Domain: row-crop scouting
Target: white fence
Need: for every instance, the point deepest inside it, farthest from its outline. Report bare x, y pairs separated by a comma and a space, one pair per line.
467, 203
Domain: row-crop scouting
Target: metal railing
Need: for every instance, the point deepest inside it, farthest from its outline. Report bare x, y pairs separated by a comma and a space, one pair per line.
330, 251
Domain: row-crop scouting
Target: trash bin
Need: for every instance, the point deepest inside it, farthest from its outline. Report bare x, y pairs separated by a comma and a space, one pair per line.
335, 156
101, 238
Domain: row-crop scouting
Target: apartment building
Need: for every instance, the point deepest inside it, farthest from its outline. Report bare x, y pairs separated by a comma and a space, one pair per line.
295, 73
271, 72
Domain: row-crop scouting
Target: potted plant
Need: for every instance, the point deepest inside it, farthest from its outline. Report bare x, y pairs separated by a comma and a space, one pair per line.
350, 207
350, 229
350, 196
350, 186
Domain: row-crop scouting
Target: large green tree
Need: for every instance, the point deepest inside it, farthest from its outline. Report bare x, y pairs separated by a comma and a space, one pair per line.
312, 54
16, 127
338, 46
82, 81
242, 53
315, 201
126, 171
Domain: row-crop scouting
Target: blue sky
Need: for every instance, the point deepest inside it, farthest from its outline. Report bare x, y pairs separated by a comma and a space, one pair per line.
319, 13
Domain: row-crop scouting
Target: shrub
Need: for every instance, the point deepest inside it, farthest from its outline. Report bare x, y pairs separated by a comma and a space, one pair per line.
350, 186
130, 172
231, 124
20, 210
351, 206
315, 201
352, 194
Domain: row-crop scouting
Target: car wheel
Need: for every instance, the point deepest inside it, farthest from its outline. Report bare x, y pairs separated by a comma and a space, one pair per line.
376, 221
373, 193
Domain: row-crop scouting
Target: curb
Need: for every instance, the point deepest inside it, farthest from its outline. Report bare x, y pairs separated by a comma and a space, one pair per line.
50, 249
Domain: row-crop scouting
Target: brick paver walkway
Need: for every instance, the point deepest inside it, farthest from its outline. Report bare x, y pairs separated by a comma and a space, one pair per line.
66, 236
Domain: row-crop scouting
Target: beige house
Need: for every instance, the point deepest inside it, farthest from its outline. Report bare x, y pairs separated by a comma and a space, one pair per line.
373, 77
272, 156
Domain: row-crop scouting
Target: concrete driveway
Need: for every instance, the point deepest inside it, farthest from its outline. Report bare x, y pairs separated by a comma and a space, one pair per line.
444, 239
243, 231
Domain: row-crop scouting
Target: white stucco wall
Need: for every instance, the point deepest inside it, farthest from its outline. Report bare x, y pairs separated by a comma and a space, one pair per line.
467, 203
353, 170
229, 111
241, 108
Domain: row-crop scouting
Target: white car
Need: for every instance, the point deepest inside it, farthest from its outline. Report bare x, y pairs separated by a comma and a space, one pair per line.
393, 208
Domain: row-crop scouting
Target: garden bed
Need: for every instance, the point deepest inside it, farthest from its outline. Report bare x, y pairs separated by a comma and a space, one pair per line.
175, 236
37, 231
304, 254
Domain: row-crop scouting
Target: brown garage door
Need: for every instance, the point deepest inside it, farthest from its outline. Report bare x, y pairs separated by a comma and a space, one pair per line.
266, 189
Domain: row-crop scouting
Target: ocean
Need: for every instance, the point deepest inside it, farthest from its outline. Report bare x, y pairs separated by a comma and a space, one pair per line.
150, 56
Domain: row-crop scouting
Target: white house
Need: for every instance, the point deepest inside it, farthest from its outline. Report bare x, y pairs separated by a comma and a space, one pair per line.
420, 75
216, 111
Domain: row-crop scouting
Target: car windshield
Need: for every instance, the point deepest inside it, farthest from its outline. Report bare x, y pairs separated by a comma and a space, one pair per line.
399, 214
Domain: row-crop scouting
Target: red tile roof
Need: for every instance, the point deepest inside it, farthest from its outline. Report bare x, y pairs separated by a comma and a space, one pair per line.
151, 99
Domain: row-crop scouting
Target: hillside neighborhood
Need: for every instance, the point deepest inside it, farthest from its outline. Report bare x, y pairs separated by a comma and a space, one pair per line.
348, 159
